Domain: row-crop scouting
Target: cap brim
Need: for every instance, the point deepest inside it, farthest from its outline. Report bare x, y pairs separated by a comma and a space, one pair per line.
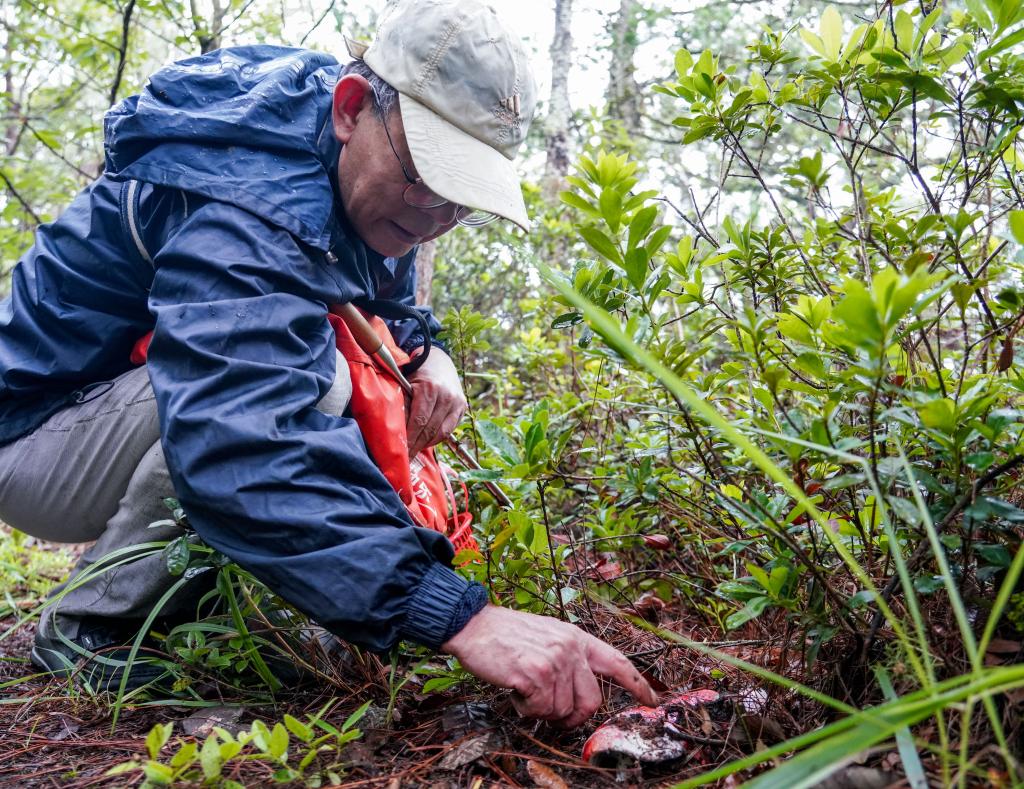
459, 167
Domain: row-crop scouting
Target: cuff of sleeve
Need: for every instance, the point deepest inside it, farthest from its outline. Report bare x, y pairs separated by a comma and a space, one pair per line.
440, 603
415, 343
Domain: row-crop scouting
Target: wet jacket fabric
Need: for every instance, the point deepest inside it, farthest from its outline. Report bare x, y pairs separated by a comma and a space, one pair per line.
243, 246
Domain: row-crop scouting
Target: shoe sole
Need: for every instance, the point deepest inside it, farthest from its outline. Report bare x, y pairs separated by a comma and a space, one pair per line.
37, 659
95, 674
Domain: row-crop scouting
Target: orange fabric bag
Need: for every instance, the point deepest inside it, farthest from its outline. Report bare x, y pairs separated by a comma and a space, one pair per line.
378, 406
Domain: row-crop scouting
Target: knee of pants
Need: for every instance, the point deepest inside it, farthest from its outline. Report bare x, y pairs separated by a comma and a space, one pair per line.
337, 398
64, 480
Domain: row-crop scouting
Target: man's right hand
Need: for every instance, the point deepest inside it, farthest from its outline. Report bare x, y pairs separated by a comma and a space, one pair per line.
552, 666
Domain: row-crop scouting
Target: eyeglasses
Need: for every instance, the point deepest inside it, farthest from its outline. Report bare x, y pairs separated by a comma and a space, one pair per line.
418, 195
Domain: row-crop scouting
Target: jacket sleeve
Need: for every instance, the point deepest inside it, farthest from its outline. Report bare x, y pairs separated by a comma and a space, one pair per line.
407, 333
240, 355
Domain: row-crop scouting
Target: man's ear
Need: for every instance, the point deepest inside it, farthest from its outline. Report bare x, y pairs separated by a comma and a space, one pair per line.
352, 95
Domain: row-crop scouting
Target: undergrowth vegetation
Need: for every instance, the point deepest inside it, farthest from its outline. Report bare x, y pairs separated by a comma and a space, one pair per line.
811, 401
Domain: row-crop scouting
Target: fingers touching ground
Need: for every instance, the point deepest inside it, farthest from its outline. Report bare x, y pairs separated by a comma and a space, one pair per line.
552, 666
609, 662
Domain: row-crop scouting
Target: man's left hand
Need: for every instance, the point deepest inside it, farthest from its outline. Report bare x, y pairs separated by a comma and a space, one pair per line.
438, 402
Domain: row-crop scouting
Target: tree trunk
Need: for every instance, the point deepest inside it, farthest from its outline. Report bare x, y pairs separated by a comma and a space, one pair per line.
208, 38
12, 105
556, 126
623, 91
425, 271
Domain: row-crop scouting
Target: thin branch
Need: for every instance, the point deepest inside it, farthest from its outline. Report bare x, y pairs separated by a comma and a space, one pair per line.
318, 22
57, 153
64, 23
122, 52
17, 196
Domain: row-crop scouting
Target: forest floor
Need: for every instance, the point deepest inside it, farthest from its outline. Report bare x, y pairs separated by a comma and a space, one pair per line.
54, 734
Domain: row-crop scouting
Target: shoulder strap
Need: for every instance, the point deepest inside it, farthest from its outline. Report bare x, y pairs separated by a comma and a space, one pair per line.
134, 187
130, 196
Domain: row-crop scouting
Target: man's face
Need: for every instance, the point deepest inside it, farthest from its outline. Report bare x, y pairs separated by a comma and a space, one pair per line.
371, 180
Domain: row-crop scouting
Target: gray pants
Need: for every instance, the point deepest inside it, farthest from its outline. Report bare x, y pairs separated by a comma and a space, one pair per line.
96, 471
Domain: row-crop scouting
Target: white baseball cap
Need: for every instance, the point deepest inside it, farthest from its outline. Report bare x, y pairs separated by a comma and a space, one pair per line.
466, 93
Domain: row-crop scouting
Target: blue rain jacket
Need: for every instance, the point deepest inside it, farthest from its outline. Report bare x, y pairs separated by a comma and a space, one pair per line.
238, 214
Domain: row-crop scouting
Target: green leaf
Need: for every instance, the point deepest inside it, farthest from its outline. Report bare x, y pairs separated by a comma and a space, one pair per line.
185, 755
157, 738
611, 208
795, 328
640, 225
260, 735
741, 591
1016, 219
601, 244
657, 239
978, 11
987, 506
277, 745
889, 57
939, 415
176, 555
584, 187
813, 40
904, 28
760, 576
980, 461
356, 716
1002, 44
439, 683
750, 611
567, 319
575, 201
636, 267
962, 295
498, 441
1007, 12
159, 774
928, 584
832, 33
993, 554
906, 510
229, 749
857, 311
820, 312
926, 25
209, 758
951, 55
298, 728
684, 62
812, 364
777, 580
124, 767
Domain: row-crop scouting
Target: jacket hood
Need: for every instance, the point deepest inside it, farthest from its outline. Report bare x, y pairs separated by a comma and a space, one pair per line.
208, 124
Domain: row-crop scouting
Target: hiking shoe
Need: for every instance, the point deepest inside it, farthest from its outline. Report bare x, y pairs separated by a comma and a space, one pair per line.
97, 655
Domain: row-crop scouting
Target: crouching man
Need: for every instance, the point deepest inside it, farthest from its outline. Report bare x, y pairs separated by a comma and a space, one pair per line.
245, 191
